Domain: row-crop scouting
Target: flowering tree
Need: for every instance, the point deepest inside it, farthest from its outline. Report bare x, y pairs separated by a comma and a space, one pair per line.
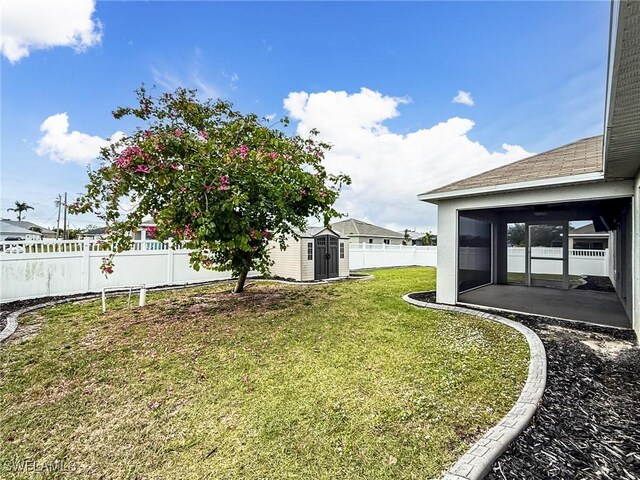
216, 181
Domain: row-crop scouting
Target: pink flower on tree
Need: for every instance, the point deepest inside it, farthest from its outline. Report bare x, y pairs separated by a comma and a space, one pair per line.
244, 151
183, 189
266, 234
232, 152
178, 132
151, 231
273, 155
203, 135
224, 183
208, 188
302, 192
142, 169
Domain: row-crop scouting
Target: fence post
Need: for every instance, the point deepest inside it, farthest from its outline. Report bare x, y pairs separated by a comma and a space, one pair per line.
170, 262
605, 263
86, 264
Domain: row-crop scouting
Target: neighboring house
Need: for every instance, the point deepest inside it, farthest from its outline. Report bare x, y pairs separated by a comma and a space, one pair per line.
9, 232
141, 233
596, 178
95, 233
586, 238
363, 232
45, 232
318, 254
417, 239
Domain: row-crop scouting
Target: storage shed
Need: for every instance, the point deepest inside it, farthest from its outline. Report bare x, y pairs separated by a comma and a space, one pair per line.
318, 254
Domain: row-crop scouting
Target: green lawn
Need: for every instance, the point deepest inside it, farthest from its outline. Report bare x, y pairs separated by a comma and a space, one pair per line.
283, 382
513, 277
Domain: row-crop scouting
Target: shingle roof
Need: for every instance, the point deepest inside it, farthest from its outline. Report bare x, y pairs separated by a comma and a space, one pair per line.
583, 156
28, 225
587, 229
8, 227
356, 227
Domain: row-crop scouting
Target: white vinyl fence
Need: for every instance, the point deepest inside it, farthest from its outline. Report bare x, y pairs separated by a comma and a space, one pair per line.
45, 268
39, 269
581, 262
364, 255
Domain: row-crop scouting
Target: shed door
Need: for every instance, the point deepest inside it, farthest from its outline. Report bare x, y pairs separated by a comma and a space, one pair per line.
327, 257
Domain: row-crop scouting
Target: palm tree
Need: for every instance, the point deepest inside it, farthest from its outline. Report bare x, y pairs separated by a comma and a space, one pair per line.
20, 208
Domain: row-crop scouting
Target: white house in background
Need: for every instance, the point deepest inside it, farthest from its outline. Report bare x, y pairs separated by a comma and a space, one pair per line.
363, 232
318, 254
596, 179
9, 232
586, 238
45, 232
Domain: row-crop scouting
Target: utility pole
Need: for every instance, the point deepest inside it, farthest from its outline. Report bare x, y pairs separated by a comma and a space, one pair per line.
58, 202
65, 217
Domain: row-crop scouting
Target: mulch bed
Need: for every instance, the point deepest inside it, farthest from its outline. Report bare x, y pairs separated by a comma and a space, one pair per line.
588, 424
599, 284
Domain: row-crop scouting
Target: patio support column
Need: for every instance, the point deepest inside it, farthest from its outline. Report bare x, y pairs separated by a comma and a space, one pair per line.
500, 252
565, 255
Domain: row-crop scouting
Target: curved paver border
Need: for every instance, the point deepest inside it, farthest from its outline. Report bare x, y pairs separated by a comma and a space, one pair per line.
476, 463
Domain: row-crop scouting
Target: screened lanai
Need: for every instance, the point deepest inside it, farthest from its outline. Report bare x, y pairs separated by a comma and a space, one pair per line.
518, 258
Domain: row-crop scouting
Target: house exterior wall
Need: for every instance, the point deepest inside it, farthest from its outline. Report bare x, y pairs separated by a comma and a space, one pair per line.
286, 263
448, 220
635, 252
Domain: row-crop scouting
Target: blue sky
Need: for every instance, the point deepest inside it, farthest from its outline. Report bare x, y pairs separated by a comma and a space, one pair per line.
535, 71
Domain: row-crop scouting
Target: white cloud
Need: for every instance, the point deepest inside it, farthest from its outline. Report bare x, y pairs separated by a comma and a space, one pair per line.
63, 146
389, 169
464, 98
39, 24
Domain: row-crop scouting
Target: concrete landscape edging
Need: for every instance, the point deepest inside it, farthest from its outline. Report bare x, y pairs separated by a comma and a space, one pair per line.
476, 463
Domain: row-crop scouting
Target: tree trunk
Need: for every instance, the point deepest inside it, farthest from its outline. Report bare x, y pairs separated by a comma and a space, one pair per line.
241, 280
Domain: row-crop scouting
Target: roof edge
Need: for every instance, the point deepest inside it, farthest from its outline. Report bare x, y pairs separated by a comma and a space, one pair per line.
508, 187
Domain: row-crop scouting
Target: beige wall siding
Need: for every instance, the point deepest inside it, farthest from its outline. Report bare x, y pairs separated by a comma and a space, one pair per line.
307, 266
286, 262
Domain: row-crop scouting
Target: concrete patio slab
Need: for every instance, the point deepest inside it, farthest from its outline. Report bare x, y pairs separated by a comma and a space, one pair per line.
598, 308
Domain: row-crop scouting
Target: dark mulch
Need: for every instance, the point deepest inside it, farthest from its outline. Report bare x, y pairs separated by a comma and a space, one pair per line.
429, 297
599, 284
588, 424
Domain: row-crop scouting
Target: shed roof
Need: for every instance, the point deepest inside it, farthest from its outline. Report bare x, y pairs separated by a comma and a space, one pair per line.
580, 157
355, 227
